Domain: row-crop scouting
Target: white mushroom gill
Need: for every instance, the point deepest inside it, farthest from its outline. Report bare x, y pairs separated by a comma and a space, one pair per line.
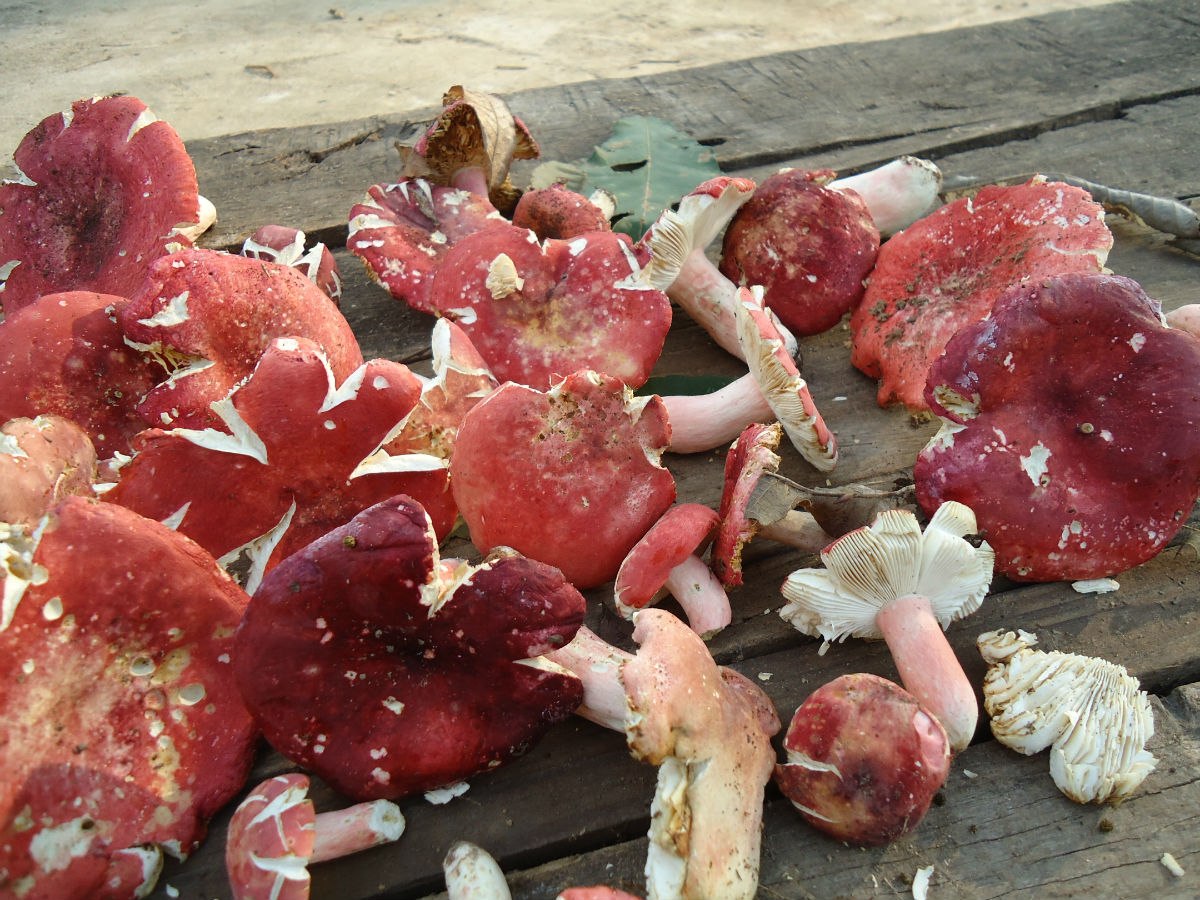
174, 311
17, 549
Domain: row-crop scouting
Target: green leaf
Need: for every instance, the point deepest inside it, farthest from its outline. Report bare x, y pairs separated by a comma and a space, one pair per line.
647, 165
683, 385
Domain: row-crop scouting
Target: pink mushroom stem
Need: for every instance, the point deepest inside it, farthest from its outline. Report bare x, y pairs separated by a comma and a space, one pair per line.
708, 297
471, 178
341, 832
702, 597
597, 663
797, 529
928, 667
705, 421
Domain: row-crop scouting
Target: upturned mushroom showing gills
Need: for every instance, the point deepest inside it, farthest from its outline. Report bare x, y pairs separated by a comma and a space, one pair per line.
1071, 426
946, 270
889, 580
122, 724
371, 662
571, 476
1091, 713
864, 760
103, 189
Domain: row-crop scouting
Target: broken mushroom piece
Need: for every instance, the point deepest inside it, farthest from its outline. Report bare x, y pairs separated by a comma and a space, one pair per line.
864, 760
103, 189
368, 660
890, 581
1091, 713
276, 833
947, 270
708, 729
808, 245
472, 874
667, 560
1071, 426
286, 246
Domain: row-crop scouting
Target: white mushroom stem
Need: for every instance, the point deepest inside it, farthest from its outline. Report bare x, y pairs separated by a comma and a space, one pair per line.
897, 193
472, 874
708, 297
597, 663
1185, 318
341, 832
702, 597
706, 421
797, 529
928, 667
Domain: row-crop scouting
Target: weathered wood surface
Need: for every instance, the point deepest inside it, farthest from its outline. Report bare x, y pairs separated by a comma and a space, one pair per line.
1111, 94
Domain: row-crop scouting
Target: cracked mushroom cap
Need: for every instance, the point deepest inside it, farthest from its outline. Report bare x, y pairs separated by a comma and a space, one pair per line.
751, 454
1071, 427
103, 190
65, 355
947, 270
571, 476
809, 246
208, 317
115, 643
1091, 714
286, 246
42, 461
403, 230
540, 310
709, 730
366, 664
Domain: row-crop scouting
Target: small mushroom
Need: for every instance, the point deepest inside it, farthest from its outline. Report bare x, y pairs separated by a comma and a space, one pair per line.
864, 760
890, 581
1091, 714
558, 212
276, 834
42, 461
286, 246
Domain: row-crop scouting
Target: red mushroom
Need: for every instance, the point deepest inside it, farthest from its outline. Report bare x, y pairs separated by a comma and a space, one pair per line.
571, 476
276, 833
947, 270
897, 193
537, 311
865, 760
558, 212
64, 354
115, 643
42, 461
286, 246
369, 661
809, 245
1071, 425
667, 560
104, 189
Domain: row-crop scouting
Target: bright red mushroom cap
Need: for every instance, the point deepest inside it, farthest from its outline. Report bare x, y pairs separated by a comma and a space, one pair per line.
64, 354
808, 245
1072, 428
537, 311
105, 186
947, 269
864, 760
361, 665
571, 476
683, 531
115, 650
209, 316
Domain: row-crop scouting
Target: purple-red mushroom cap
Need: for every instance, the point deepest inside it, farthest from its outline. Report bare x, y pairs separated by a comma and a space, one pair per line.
288, 246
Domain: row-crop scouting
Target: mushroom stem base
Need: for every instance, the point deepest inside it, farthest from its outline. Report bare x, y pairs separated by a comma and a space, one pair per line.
342, 832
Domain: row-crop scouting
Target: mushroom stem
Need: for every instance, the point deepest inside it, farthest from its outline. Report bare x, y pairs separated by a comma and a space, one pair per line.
702, 422
928, 667
701, 596
797, 529
597, 664
344, 831
896, 193
471, 178
708, 297
472, 874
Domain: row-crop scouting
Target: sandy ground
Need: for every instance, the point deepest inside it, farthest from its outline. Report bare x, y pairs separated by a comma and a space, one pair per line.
222, 67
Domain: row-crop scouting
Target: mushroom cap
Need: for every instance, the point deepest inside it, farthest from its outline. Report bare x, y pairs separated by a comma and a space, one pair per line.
684, 530
286, 246
42, 461
750, 455
364, 666
537, 311
103, 188
402, 231
868, 568
270, 840
558, 212
64, 354
865, 759
571, 476
808, 245
1072, 428
209, 316
114, 649
946, 270
1090, 712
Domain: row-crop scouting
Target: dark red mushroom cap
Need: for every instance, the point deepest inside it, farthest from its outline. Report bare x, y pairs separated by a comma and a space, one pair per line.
558, 212
1072, 428
287, 246
947, 269
363, 666
105, 186
115, 654
571, 476
402, 230
809, 246
864, 760
64, 354
208, 316
537, 311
